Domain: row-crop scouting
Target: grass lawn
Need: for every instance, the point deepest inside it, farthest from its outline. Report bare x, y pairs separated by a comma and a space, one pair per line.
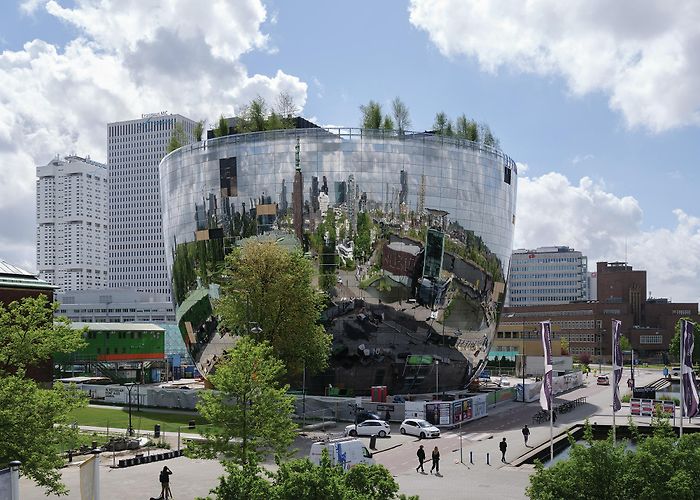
144, 419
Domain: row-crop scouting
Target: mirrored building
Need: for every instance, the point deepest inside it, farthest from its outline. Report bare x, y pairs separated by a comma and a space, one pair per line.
411, 234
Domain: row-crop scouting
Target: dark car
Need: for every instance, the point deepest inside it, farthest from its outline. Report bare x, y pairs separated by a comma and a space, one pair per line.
365, 415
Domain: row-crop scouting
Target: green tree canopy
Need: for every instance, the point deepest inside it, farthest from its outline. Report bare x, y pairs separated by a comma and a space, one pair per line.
32, 420
388, 123
371, 115
34, 428
441, 122
674, 348
300, 479
270, 286
29, 334
177, 138
250, 411
198, 130
221, 129
662, 466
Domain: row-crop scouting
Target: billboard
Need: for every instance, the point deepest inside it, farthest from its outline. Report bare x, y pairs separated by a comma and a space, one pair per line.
434, 251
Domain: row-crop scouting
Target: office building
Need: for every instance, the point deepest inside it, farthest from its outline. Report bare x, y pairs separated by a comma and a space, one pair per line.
136, 249
547, 275
115, 305
72, 223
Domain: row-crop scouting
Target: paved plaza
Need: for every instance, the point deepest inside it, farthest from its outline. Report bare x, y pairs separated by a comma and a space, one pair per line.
192, 478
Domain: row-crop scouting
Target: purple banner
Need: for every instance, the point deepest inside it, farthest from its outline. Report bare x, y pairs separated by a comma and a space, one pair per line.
690, 392
546, 390
617, 364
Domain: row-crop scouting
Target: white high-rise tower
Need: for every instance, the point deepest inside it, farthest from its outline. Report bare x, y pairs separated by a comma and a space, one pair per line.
72, 223
136, 249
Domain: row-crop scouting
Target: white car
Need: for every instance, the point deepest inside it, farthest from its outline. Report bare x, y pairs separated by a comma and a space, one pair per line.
369, 428
418, 427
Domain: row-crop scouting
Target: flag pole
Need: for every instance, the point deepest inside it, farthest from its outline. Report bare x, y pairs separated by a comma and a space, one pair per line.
614, 378
681, 373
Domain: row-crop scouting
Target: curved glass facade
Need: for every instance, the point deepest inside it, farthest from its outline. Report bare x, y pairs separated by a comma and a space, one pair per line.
424, 230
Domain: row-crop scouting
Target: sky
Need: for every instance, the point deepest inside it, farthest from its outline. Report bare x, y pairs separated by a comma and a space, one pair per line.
597, 101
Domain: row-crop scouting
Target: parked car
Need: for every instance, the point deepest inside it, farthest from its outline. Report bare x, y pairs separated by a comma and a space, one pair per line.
419, 427
369, 428
603, 380
367, 415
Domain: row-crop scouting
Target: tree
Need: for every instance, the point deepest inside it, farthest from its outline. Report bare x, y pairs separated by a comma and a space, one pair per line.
487, 136
584, 358
472, 131
388, 123
564, 346
300, 479
221, 129
440, 124
254, 115
286, 108
662, 466
625, 344
674, 348
29, 334
34, 428
32, 420
250, 412
401, 115
177, 138
371, 115
198, 130
271, 287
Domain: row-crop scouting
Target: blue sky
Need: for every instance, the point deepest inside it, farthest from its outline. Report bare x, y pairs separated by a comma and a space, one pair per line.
596, 103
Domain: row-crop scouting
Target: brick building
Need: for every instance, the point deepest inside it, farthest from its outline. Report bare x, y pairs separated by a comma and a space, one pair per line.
648, 323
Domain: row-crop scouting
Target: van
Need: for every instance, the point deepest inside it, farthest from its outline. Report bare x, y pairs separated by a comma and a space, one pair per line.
346, 452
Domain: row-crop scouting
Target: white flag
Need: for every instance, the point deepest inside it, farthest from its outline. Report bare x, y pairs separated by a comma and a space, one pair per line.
89, 479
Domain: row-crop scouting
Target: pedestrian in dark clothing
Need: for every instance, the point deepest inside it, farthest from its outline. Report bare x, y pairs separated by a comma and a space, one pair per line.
503, 446
164, 478
387, 416
526, 433
436, 461
421, 458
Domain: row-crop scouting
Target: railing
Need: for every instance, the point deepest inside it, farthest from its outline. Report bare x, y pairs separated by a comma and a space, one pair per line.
351, 134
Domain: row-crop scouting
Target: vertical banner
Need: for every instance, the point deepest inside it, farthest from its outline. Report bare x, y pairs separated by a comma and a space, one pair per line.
546, 390
90, 478
617, 364
690, 392
5, 484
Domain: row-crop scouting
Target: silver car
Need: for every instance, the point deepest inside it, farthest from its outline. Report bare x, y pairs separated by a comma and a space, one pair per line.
369, 428
419, 427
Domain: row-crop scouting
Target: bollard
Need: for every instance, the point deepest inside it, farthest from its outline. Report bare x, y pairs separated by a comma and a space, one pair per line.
471, 457
488, 461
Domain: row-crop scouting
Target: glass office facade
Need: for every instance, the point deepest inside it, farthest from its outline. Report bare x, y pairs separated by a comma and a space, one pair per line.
398, 189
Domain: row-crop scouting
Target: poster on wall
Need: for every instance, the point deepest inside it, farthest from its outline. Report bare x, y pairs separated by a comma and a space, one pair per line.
432, 413
444, 413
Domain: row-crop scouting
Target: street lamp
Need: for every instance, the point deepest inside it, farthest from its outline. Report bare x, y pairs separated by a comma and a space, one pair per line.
437, 378
129, 386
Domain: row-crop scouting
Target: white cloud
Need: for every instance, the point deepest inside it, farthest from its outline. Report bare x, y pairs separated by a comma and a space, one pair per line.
130, 57
605, 227
581, 158
30, 6
643, 54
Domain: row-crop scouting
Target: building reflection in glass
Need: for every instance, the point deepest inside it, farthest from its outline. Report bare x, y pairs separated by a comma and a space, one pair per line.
423, 236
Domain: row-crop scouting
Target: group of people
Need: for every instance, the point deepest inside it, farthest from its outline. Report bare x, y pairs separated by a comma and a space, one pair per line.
502, 446
435, 458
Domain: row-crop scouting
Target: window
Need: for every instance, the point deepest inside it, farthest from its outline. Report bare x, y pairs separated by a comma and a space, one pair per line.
650, 339
506, 175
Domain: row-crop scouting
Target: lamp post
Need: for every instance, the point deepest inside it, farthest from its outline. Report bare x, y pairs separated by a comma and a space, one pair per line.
437, 378
522, 359
129, 386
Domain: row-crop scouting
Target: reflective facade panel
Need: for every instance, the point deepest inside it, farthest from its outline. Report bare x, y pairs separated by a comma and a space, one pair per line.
423, 236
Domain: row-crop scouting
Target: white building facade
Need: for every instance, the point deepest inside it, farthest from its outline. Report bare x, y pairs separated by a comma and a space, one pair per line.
115, 306
547, 275
72, 223
136, 248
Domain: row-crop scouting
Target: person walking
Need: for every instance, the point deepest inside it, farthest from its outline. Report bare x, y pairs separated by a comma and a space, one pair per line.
503, 446
164, 478
436, 461
421, 458
526, 434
